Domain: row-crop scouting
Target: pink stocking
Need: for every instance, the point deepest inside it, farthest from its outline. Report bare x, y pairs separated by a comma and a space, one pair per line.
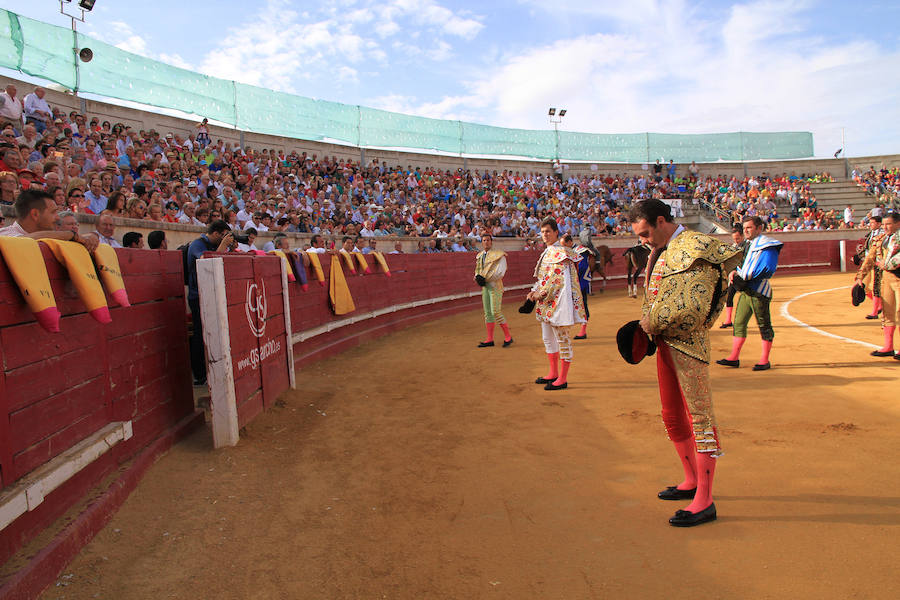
506, 335
766, 348
729, 310
563, 372
736, 344
490, 332
888, 338
583, 328
554, 373
876, 306
687, 452
706, 468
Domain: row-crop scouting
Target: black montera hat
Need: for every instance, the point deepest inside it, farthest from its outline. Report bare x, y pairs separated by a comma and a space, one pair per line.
858, 294
634, 344
527, 307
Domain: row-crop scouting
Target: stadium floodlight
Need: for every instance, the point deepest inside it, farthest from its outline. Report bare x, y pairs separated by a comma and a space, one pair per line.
552, 111
87, 5
562, 112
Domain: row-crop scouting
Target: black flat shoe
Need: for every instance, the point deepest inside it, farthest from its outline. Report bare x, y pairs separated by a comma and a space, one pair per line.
542, 381
726, 325
507, 342
728, 363
486, 345
880, 353
685, 518
581, 337
897, 357
871, 317
550, 386
673, 493
764, 367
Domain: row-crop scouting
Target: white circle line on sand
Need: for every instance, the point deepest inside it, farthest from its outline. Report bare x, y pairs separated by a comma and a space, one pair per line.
787, 315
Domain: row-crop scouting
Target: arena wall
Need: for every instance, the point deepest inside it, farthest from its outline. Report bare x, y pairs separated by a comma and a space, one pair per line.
59, 390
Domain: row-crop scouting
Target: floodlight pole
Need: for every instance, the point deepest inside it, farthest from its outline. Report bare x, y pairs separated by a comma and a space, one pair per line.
555, 120
62, 4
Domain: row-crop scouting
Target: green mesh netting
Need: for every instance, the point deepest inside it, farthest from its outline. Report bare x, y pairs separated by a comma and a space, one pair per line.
46, 51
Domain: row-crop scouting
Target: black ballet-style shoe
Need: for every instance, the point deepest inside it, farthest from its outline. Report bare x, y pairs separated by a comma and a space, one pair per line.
543, 381
673, 493
728, 363
507, 342
486, 345
581, 337
871, 317
882, 353
726, 325
684, 518
551, 387
762, 367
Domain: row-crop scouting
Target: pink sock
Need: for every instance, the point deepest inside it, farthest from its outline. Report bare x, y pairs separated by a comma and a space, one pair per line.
563, 372
583, 328
766, 348
554, 373
706, 468
736, 344
490, 332
876, 306
729, 310
888, 338
687, 452
506, 335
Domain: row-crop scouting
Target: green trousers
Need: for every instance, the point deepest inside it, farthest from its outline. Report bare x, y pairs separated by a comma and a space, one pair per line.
492, 299
758, 306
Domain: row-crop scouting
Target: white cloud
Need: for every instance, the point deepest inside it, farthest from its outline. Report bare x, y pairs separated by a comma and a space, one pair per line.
751, 69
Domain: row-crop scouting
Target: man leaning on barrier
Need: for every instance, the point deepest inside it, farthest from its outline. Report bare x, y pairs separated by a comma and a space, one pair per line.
218, 238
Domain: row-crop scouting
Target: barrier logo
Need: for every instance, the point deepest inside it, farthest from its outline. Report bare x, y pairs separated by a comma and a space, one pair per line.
255, 308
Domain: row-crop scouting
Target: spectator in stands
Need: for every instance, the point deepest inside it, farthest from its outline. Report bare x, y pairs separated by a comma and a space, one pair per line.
36, 218
66, 221
106, 230
9, 187
218, 238
11, 107
250, 244
133, 239
37, 111
156, 240
97, 201
317, 244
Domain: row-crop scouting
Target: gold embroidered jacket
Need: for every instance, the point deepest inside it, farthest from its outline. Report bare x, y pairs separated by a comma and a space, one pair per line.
680, 292
492, 266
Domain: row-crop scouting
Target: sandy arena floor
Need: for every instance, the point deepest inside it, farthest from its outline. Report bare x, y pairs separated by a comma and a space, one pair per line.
418, 466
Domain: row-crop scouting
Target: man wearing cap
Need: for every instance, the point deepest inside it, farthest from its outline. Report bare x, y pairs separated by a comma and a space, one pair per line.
752, 280
682, 299
885, 253
490, 267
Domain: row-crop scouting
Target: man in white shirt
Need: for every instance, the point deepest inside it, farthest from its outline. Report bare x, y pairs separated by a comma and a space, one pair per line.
11, 108
106, 230
36, 218
37, 111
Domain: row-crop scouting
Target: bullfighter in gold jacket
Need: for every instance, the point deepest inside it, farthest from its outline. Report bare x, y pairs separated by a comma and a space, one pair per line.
685, 290
490, 267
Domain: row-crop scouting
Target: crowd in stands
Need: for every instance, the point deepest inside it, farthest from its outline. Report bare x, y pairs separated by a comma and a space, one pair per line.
98, 167
883, 184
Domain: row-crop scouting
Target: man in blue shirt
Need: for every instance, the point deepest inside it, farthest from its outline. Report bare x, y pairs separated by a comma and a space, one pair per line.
217, 238
752, 280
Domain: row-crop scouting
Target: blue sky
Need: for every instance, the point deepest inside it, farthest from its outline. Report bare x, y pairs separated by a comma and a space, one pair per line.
667, 66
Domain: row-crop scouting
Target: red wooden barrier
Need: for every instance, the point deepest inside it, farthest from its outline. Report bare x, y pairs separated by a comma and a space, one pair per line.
58, 389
